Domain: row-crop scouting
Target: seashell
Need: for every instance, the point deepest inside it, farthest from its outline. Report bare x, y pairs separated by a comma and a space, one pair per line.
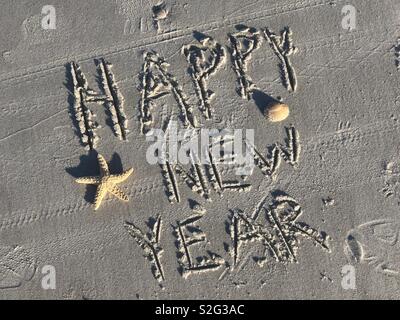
277, 112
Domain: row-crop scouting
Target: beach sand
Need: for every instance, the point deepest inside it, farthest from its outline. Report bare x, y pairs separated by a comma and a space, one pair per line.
337, 71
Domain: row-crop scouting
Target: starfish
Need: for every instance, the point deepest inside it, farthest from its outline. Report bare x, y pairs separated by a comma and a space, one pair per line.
106, 182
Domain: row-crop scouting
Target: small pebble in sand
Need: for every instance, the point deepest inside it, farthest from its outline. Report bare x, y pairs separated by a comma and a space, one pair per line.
277, 112
328, 201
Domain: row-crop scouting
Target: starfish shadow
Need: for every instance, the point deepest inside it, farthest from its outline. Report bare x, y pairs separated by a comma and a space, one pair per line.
89, 166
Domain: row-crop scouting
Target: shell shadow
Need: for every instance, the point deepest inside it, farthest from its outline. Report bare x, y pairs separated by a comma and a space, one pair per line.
263, 100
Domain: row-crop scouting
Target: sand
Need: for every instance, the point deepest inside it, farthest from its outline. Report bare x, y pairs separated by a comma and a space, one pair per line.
330, 167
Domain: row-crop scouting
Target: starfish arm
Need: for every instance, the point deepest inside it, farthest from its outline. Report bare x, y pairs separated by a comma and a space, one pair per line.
88, 180
100, 193
103, 165
117, 178
116, 191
